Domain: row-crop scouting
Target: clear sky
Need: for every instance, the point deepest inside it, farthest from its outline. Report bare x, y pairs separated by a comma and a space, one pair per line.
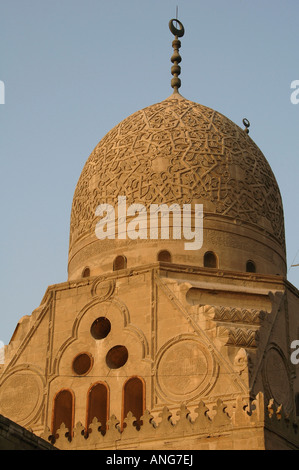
73, 69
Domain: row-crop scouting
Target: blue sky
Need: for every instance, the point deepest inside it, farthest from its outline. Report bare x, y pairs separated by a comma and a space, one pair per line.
73, 69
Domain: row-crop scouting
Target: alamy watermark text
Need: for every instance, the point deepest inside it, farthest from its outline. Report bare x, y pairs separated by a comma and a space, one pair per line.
135, 222
295, 94
2, 92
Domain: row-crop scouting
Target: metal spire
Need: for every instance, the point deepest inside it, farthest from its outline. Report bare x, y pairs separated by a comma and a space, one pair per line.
247, 125
176, 58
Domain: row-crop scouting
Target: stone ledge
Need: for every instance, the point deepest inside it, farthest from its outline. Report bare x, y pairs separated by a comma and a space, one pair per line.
15, 437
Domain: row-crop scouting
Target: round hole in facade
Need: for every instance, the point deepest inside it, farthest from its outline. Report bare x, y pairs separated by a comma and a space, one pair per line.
117, 357
82, 363
250, 267
100, 328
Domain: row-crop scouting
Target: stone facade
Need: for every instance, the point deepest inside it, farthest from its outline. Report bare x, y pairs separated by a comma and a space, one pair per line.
186, 353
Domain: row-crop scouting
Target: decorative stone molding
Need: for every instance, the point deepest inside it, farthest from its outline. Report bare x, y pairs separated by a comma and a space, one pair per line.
103, 288
233, 315
242, 361
232, 336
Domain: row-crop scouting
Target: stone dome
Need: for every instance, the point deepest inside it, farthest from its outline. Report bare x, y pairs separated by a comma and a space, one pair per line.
178, 151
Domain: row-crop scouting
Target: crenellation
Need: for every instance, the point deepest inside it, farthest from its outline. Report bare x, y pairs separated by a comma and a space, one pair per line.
230, 431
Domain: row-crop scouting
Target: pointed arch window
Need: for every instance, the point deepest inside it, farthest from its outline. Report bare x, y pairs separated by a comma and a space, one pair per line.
98, 405
63, 411
134, 399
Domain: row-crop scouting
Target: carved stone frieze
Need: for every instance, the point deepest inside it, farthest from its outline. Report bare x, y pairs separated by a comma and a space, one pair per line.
235, 326
233, 315
233, 336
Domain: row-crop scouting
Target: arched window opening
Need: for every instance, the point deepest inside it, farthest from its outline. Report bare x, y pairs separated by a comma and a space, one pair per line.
250, 267
63, 411
210, 260
97, 405
165, 256
120, 262
86, 272
134, 399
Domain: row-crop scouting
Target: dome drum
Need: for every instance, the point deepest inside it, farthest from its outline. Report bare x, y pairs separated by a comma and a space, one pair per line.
234, 245
180, 152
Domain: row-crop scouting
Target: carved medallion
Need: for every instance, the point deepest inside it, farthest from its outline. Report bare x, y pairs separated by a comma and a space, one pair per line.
184, 370
103, 289
20, 396
276, 378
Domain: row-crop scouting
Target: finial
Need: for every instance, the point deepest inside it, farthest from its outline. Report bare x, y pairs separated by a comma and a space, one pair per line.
247, 125
176, 58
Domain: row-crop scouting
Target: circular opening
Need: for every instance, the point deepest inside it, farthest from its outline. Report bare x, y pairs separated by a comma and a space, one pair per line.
100, 328
117, 357
82, 364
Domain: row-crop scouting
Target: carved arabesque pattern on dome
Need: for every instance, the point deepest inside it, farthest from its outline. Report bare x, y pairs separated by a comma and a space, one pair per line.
183, 152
